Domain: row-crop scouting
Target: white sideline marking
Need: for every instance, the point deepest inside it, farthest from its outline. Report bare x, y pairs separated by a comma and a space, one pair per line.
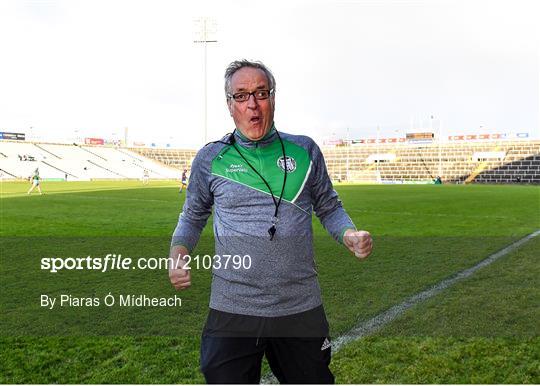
375, 323
54, 192
117, 198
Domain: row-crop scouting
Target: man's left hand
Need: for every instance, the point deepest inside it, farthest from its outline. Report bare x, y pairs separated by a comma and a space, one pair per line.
358, 242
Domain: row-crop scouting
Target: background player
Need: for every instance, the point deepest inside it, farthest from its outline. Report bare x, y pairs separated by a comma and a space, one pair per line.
184, 180
35, 182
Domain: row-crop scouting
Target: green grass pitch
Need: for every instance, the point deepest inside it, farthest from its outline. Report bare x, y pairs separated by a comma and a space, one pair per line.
482, 330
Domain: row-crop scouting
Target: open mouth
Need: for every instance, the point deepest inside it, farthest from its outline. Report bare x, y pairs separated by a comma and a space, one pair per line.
255, 120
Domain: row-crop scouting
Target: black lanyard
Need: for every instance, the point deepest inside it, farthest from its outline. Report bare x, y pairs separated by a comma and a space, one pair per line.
272, 229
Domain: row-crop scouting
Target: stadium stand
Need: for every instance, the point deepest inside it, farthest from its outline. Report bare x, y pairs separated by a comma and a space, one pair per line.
480, 162
460, 162
179, 159
77, 162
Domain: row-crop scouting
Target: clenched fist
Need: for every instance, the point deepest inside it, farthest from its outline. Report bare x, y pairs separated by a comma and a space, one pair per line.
358, 242
180, 278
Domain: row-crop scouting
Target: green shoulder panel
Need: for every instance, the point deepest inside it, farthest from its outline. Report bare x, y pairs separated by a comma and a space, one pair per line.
269, 162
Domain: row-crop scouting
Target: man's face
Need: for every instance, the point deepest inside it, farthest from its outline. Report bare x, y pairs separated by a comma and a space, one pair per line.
254, 118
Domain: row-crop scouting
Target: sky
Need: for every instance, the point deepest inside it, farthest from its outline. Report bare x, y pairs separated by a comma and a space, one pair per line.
349, 69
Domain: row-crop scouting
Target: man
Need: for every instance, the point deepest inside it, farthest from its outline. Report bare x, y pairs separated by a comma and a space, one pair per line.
184, 180
35, 182
263, 185
146, 176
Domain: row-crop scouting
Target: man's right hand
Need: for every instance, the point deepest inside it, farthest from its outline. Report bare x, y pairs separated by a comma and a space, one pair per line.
180, 278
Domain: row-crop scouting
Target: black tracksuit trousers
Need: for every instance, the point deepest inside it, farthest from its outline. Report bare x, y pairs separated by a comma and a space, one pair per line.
297, 348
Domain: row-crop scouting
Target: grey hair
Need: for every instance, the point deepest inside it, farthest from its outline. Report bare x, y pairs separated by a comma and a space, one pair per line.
238, 64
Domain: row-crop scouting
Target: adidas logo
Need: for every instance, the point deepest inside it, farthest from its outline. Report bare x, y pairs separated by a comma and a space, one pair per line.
326, 344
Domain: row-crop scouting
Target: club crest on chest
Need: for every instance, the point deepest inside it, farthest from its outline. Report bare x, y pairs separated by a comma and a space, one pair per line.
290, 162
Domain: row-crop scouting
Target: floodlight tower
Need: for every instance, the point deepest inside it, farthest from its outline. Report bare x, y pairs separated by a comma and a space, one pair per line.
205, 32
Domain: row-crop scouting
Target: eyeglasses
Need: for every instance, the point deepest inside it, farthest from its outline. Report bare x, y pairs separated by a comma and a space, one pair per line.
244, 96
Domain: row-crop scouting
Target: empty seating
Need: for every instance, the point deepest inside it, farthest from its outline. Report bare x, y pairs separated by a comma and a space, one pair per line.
453, 162
74, 162
515, 161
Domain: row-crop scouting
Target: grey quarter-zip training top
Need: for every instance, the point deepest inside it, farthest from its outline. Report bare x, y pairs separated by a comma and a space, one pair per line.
279, 278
